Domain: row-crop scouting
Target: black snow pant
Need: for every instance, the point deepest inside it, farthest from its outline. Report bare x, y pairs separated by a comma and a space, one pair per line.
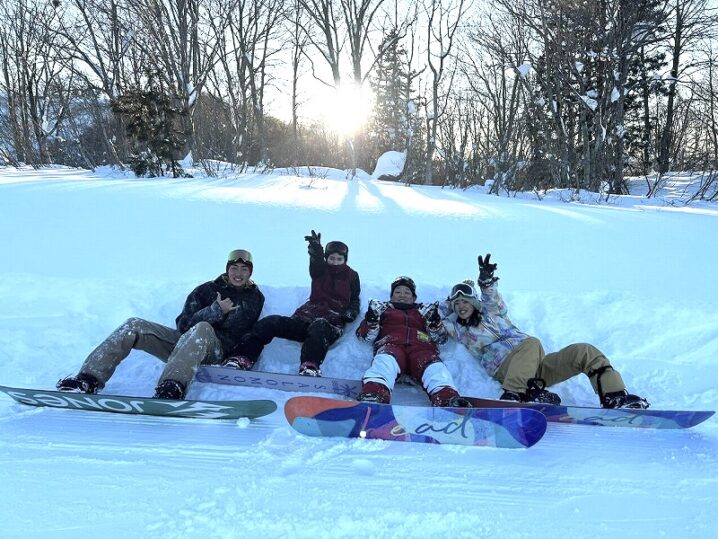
317, 337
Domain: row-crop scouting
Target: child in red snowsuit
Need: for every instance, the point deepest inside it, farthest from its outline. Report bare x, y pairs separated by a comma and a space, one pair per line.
405, 335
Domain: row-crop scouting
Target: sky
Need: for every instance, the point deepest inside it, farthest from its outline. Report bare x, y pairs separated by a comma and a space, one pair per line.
83, 251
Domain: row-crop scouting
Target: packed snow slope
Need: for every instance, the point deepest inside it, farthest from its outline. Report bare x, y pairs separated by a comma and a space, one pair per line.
81, 252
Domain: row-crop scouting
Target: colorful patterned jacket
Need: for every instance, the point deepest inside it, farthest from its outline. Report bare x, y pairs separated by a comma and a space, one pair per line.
495, 336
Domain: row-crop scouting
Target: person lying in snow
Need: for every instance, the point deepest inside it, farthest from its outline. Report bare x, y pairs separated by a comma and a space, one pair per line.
517, 360
405, 335
333, 302
215, 316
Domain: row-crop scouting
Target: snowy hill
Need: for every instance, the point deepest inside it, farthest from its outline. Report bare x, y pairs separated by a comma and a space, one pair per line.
82, 252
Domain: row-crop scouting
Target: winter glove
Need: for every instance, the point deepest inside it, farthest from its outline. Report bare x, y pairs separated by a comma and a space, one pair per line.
432, 317
315, 244
486, 271
374, 312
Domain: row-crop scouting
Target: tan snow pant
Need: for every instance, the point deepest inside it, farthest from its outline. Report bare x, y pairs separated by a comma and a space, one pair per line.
183, 353
529, 361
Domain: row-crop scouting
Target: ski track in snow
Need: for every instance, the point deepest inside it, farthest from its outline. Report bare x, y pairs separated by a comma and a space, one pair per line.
82, 252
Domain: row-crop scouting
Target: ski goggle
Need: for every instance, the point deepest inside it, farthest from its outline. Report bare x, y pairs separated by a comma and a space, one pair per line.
463, 289
239, 255
338, 247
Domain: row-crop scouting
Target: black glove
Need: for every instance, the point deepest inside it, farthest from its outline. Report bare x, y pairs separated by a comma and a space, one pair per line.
486, 271
432, 317
315, 244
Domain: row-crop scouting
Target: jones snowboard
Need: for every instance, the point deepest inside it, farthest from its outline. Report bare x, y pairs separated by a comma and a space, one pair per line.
285, 382
509, 428
140, 405
622, 417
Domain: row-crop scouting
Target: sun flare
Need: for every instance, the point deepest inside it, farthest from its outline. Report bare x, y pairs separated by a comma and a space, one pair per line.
348, 110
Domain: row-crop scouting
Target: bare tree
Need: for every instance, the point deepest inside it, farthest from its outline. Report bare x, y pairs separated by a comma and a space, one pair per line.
244, 54
443, 22
494, 70
690, 21
358, 18
183, 37
324, 34
37, 80
98, 37
298, 41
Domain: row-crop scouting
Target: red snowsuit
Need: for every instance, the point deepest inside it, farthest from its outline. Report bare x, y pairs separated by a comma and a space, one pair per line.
403, 344
403, 334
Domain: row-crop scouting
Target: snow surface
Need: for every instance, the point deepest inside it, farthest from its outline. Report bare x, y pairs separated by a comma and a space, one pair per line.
81, 252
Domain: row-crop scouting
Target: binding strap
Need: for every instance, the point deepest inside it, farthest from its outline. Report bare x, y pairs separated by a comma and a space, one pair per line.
598, 373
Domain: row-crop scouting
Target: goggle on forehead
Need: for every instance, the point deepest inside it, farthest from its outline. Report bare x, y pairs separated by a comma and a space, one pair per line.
338, 247
462, 289
239, 255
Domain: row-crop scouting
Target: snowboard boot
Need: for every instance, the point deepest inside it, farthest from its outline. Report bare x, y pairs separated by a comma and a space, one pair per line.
170, 390
374, 392
616, 399
443, 396
81, 383
242, 363
623, 399
537, 393
459, 402
510, 396
307, 368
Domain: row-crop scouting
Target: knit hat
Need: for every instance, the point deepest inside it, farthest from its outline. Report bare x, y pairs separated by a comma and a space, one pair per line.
405, 281
240, 256
465, 290
337, 247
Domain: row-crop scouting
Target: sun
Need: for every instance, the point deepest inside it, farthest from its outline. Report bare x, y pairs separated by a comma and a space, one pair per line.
347, 110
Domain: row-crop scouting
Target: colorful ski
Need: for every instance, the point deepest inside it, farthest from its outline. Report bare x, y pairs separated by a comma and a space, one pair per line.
622, 417
507, 428
285, 382
142, 406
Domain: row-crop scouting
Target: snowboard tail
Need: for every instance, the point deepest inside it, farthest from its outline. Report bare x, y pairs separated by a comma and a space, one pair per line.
506, 428
607, 417
141, 406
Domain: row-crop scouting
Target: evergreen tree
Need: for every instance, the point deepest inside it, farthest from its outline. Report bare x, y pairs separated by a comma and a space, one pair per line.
153, 122
394, 124
644, 87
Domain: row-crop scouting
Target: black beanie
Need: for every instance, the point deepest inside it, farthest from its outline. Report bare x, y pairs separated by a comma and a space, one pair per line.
405, 281
338, 247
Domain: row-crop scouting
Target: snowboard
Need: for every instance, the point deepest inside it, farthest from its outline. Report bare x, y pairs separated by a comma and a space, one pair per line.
621, 417
285, 382
495, 427
140, 405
